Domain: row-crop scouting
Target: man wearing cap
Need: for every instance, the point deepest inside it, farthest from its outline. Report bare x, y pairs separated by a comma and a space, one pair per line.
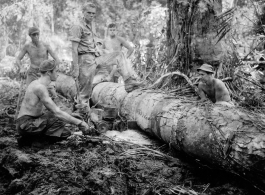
37, 52
32, 122
212, 88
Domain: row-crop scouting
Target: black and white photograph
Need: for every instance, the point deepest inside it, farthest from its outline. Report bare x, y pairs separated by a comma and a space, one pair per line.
132, 97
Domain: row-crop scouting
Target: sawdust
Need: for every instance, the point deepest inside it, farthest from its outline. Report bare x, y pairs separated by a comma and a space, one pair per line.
130, 135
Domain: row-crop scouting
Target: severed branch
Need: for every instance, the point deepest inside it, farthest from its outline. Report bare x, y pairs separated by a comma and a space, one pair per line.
161, 79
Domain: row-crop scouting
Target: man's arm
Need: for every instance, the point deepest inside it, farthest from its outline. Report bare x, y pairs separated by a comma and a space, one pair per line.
52, 53
201, 92
126, 45
21, 56
221, 92
75, 59
42, 93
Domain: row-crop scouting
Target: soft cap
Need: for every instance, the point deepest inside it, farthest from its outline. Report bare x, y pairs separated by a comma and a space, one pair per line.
47, 65
88, 6
33, 30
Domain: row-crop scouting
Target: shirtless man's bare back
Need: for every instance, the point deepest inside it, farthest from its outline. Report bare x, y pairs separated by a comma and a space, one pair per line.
213, 88
31, 119
37, 52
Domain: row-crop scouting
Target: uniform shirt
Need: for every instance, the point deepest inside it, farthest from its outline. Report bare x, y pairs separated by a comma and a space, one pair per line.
84, 35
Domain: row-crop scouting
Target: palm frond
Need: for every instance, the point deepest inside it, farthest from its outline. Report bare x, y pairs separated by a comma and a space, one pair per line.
224, 23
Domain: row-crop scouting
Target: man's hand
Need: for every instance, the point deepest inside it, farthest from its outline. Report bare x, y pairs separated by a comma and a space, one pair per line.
83, 126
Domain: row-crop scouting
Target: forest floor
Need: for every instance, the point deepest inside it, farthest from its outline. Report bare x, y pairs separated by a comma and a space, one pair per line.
99, 165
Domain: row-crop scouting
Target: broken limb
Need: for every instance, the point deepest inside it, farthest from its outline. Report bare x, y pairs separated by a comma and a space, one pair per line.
161, 79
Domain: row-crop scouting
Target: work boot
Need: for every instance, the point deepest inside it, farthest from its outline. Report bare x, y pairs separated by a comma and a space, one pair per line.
132, 84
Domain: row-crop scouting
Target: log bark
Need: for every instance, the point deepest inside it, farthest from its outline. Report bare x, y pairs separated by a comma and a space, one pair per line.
65, 85
232, 139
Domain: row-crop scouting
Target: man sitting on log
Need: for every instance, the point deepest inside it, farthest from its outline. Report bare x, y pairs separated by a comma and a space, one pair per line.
32, 122
212, 88
114, 62
115, 43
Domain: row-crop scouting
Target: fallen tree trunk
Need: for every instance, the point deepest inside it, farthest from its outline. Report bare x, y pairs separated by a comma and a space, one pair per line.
232, 139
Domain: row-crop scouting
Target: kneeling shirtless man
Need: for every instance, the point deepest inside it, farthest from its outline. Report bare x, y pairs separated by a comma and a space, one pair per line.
31, 119
212, 88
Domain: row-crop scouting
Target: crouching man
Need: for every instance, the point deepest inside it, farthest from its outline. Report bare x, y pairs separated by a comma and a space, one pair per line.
32, 122
212, 88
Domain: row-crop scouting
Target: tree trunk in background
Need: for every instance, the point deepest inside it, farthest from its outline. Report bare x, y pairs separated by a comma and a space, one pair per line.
52, 19
31, 7
180, 24
191, 33
229, 138
3, 54
170, 37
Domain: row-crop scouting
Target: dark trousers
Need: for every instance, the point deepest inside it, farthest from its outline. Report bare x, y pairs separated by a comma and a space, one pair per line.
46, 124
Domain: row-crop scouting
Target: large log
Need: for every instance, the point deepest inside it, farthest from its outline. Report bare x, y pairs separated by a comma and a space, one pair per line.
232, 139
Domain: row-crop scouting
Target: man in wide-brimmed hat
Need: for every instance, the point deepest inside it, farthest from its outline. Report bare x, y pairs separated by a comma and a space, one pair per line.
210, 87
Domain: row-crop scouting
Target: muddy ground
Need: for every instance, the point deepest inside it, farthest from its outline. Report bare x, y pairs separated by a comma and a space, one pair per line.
98, 165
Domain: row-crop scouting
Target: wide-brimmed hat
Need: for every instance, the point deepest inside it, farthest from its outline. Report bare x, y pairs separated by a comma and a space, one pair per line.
206, 68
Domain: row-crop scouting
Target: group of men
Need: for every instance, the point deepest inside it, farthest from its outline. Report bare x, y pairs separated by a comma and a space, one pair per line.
90, 57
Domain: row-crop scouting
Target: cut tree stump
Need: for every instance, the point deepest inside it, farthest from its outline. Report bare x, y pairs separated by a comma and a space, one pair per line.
232, 139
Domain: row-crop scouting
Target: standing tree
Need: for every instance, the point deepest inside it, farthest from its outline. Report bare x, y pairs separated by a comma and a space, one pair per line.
187, 20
